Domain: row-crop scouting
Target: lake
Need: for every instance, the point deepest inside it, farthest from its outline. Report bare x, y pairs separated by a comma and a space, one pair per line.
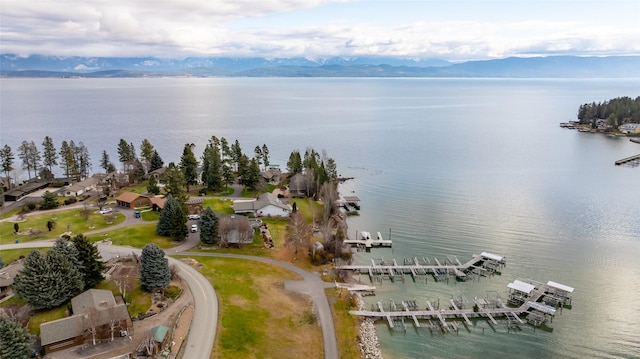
444, 166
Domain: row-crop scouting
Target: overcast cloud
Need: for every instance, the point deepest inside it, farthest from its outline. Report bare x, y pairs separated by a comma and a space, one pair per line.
451, 29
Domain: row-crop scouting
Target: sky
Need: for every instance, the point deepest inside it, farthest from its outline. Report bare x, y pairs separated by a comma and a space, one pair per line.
453, 30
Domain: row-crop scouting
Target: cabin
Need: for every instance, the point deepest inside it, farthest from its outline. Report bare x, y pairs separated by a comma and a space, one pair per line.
95, 309
133, 200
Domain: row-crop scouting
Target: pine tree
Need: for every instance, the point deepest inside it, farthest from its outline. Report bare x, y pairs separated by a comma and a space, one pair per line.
90, 260
152, 186
208, 227
6, 162
66, 266
173, 220
15, 341
49, 154
156, 161
189, 165
32, 283
154, 268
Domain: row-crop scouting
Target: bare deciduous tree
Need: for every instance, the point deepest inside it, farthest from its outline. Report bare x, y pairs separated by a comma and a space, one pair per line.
298, 232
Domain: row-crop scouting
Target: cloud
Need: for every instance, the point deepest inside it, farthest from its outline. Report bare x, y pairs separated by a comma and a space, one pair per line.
180, 28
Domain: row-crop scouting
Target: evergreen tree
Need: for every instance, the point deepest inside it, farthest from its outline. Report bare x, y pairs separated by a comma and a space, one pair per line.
236, 154
253, 175
258, 154
294, 165
243, 169
146, 153
6, 162
30, 155
212, 167
90, 261
227, 174
15, 341
66, 267
208, 227
67, 159
154, 268
174, 182
49, 200
83, 161
265, 156
152, 186
173, 220
49, 154
126, 153
156, 161
189, 165
105, 162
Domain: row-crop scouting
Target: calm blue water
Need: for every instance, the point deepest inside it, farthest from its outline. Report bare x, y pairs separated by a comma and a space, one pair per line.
447, 166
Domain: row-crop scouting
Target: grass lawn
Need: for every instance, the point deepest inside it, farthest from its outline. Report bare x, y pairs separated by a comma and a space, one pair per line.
223, 206
346, 325
69, 220
10, 255
256, 312
150, 216
134, 236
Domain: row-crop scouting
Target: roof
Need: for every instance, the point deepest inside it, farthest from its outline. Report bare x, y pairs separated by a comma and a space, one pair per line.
521, 286
492, 256
61, 329
159, 333
269, 198
351, 198
93, 298
73, 326
265, 199
129, 197
560, 286
541, 307
158, 201
8, 273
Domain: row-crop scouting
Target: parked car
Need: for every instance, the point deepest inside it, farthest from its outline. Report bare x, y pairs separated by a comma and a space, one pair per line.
193, 216
106, 210
194, 228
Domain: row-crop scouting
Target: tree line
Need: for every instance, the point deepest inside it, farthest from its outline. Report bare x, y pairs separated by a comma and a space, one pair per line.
616, 111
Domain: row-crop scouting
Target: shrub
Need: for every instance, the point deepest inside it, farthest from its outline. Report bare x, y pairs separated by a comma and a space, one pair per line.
172, 292
31, 206
70, 200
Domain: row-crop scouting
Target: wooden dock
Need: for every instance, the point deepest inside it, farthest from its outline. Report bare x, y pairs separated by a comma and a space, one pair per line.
365, 240
632, 161
534, 309
481, 264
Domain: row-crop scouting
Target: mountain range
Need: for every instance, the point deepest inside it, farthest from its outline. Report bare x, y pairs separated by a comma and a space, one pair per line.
518, 67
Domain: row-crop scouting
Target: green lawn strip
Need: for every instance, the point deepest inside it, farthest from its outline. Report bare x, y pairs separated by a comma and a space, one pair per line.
69, 220
11, 213
10, 255
242, 329
135, 236
307, 207
347, 325
223, 206
150, 216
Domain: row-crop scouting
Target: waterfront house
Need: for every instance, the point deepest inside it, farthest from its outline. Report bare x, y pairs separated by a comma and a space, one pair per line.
267, 205
630, 128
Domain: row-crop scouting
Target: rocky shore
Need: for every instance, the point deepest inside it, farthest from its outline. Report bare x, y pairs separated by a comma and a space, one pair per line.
368, 338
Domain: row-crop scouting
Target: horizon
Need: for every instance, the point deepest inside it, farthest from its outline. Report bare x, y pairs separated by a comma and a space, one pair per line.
454, 31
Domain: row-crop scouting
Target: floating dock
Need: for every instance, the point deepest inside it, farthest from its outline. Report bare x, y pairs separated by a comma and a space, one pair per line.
538, 306
483, 264
632, 161
365, 240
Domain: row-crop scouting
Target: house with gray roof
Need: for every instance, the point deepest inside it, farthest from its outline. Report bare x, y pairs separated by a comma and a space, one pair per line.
266, 205
94, 308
